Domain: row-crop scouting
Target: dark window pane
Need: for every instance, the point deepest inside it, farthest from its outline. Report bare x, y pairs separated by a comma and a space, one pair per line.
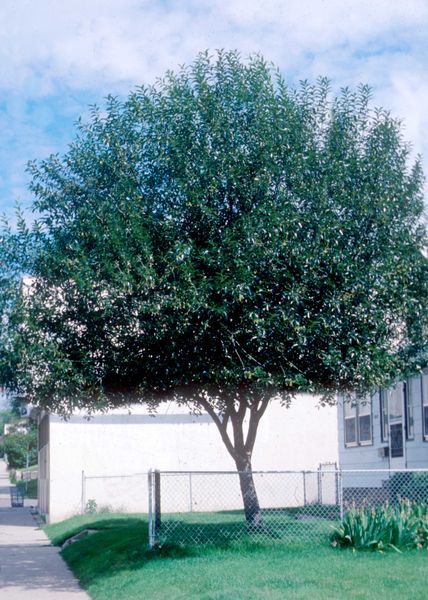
350, 431
408, 407
365, 428
396, 440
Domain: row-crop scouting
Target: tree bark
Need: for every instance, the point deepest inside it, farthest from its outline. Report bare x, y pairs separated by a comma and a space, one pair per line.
253, 514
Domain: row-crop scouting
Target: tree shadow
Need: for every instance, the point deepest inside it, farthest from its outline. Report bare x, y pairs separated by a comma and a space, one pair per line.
295, 525
122, 544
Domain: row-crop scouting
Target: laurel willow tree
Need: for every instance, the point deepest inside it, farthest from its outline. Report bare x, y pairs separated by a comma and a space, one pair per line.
220, 238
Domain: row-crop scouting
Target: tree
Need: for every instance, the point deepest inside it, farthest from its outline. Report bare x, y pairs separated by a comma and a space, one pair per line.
223, 238
20, 447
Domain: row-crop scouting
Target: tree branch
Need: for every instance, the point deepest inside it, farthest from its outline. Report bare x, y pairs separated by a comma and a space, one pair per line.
256, 413
221, 424
237, 418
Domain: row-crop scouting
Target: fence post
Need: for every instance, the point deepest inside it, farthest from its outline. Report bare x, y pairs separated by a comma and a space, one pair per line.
157, 490
340, 492
152, 533
304, 488
190, 493
83, 500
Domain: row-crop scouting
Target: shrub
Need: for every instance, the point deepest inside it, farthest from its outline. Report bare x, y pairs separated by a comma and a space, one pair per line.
399, 526
17, 445
91, 507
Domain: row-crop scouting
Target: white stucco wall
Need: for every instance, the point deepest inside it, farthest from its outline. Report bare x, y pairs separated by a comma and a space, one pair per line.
300, 437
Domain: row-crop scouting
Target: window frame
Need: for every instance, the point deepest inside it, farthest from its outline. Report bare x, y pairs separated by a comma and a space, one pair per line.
384, 415
356, 417
409, 417
346, 418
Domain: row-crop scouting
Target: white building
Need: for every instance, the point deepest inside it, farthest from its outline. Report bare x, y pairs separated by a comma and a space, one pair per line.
106, 459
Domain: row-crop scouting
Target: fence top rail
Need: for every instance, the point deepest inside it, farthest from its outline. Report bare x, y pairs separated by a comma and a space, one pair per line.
232, 472
317, 471
144, 474
382, 470
306, 471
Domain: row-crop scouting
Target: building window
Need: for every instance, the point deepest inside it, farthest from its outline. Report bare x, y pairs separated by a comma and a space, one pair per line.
358, 421
408, 408
425, 405
350, 412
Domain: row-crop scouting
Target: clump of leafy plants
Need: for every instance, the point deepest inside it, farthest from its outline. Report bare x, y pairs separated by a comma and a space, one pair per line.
91, 507
401, 526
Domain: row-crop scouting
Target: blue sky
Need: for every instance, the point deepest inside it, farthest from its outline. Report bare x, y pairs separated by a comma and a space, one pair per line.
56, 58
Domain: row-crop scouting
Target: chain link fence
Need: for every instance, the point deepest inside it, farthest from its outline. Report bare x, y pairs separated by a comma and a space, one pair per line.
207, 507
295, 506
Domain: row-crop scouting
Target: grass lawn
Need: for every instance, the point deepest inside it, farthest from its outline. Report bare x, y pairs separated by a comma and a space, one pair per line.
31, 491
114, 564
29, 487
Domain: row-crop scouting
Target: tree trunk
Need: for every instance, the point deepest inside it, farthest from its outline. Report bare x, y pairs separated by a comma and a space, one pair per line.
241, 443
252, 510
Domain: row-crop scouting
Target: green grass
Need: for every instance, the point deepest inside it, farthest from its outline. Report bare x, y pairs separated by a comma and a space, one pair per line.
29, 487
289, 524
114, 564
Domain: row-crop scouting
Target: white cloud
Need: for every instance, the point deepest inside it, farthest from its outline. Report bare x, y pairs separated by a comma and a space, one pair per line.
80, 50
90, 43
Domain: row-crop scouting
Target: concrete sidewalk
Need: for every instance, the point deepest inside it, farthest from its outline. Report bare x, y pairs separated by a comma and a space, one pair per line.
30, 568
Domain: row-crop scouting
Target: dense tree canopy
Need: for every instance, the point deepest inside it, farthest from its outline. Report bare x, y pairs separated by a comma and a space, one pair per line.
220, 231
20, 446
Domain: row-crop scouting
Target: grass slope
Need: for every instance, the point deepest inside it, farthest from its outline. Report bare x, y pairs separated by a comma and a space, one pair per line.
114, 564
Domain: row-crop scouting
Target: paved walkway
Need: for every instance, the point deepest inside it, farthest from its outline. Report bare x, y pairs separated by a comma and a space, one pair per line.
30, 568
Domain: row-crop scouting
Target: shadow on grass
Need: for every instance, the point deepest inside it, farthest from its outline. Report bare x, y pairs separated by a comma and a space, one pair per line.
220, 533
117, 547
60, 532
219, 528
294, 525
120, 544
